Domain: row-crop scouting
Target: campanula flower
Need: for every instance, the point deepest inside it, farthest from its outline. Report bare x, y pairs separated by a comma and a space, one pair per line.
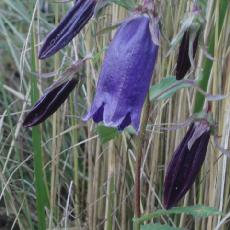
49, 103
186, 162
184, 60
75, 19
125, 75
187, 38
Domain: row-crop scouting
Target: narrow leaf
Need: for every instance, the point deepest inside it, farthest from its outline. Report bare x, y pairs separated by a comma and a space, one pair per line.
41, 196
166, 88
195, 211
127, 4
158, 227
214, 34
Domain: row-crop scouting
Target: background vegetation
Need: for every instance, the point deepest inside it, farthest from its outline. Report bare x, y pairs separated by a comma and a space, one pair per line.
63, 165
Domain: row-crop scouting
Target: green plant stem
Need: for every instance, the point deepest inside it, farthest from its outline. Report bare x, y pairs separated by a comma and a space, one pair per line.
37, 150
110, 187
207, 65
74, 137
140, 141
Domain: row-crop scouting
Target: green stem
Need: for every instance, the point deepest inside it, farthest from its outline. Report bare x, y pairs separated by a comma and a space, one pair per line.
207, 65
74, 137
140, 141
36, 143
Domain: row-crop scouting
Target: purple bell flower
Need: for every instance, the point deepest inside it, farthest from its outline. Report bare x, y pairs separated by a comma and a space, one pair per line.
183, 60
125, 75
75, 19
186, 163
48, 104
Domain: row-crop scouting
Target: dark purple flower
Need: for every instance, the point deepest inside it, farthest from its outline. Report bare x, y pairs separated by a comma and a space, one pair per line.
125, 75
183, 60
186, 163
49, 103
76, 18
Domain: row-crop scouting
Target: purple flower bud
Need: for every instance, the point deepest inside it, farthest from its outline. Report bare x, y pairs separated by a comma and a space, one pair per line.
125, 75
49, 103
76, 18
186, 163
183, 60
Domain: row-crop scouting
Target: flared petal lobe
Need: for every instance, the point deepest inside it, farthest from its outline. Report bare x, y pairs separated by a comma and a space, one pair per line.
186, 163
49, 103
75, 19
125, 75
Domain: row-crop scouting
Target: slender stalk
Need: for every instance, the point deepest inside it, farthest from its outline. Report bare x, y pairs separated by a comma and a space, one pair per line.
36, 140
110, 187
56, 143
96, 184
139, 146
208, 63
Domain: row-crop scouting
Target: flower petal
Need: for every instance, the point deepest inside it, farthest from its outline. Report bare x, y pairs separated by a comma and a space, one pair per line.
125, 75
49, 103
76, 18
183, 60
185, 165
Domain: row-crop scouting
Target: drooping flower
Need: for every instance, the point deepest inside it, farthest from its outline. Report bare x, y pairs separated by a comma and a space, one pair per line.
75, 19
125, 75
187, 38
184, 59
49, 103
186, 162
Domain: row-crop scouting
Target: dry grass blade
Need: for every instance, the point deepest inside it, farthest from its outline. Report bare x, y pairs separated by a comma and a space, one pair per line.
87, 184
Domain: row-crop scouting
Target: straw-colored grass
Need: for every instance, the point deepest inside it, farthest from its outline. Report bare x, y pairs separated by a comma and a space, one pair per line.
62, 165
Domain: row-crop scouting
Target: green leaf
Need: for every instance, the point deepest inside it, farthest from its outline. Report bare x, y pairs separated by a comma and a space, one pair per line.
127, 4
203, 5
41, 196
195, 211
166, 88
158, 227
106, 133
214, 35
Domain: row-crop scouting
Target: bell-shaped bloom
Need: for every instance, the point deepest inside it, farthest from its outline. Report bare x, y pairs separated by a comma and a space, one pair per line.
184, 59
186, 163
125, 75
49, 103
75, 19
